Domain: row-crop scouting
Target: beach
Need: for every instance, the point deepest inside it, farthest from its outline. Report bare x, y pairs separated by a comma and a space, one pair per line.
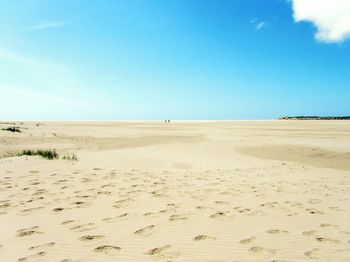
274, 190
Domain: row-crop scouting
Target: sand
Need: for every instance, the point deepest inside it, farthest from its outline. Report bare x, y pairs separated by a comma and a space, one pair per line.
179, 191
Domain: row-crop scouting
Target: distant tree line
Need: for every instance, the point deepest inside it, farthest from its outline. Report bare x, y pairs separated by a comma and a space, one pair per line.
314, 118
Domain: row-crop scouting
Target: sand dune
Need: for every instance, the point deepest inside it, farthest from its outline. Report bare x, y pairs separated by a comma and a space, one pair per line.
180, 191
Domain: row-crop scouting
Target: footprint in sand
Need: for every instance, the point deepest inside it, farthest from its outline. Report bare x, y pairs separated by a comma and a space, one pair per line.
260, 250
58, 209
221, 202
177, 217
309, 233
328, 225
173, 205
115, 218
109, 219
277, 231
146, 231
246, 241
84, 227
80, 204
107, 249
202, 237
123, 202
148, 214
218, 214
91, 237
25, 232
242, 209
31, 257
314, 211
312, 253
158, 250
5, 204
108, 185
67, 222
123, 215
50, 244
270, 204
324, 239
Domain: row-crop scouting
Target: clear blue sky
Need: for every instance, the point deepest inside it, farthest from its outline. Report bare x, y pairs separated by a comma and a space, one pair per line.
176, 59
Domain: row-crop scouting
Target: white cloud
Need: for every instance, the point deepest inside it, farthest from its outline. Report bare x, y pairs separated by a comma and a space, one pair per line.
51, 24
258, 25
18, 58
331, 18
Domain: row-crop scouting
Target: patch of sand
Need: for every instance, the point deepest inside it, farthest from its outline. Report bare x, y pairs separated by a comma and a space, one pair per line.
305, 155
179, 191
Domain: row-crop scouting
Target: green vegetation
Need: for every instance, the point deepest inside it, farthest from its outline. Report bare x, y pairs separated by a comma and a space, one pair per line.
12, 129
48, 154
315, 118
45, 153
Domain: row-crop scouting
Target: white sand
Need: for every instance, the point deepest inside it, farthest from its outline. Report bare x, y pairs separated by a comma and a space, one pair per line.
180, 191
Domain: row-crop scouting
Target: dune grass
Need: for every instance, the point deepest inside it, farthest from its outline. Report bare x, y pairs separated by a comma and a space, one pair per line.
49, 154
69, 156
12, 129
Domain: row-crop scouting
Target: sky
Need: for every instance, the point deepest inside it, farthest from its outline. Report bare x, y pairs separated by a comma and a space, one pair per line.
173, 59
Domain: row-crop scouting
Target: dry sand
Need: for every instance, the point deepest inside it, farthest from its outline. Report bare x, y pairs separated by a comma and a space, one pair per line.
180, 191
